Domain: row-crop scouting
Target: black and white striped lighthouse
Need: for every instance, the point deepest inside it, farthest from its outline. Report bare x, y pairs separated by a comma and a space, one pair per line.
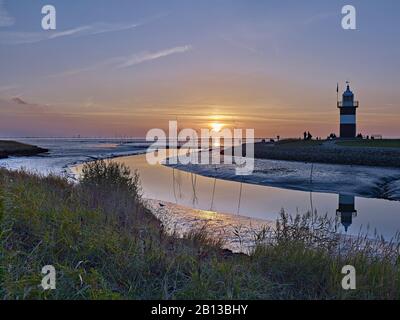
348, 109
346, 210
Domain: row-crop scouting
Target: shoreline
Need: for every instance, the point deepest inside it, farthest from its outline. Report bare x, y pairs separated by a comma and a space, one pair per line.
10, 148
55, 162
361, 181
71, 175
366, 181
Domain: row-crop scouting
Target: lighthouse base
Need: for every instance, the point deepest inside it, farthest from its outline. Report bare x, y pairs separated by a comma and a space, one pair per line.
347, 131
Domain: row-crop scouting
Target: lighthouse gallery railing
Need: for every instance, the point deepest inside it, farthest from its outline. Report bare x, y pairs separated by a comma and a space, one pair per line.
345, 104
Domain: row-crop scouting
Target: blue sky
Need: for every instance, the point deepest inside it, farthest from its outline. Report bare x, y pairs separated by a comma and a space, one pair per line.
122, 67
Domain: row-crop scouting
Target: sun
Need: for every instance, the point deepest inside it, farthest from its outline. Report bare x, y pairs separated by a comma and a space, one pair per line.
216, 126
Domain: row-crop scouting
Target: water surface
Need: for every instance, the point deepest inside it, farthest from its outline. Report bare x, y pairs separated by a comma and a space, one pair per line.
263, 202
195, 191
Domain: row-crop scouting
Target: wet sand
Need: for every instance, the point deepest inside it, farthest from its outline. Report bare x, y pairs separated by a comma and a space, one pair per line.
237, 233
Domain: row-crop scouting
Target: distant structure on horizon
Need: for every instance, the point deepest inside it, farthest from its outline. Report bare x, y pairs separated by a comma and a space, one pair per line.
348, 107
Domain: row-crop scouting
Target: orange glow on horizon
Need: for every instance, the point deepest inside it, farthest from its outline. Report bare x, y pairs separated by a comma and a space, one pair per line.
216, 126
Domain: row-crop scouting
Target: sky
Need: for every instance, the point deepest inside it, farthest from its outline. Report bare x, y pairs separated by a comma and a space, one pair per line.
123, 67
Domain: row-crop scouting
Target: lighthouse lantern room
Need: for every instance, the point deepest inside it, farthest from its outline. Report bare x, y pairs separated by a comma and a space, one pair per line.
348, 109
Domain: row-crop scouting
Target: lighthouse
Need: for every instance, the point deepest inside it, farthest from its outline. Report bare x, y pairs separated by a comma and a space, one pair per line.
346, 210
348, 109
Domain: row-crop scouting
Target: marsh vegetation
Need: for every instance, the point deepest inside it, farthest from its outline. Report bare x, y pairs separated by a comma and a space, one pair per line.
105, 244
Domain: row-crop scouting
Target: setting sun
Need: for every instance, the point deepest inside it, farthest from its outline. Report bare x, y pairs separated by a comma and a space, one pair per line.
216, 126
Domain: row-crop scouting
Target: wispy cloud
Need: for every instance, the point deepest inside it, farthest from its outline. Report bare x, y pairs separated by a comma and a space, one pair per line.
19, 100
71, 32
19, 104
17, 37
94, 29
147, 56
5, 19
8, 88
126, 61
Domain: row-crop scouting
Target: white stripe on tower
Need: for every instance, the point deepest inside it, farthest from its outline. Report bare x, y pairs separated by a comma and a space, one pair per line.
348, 119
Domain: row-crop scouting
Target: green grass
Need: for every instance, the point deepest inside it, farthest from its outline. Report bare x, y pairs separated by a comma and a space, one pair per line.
105, 245
293, 143
385, 143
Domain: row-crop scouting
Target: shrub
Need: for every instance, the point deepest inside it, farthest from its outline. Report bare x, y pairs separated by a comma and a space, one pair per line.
112, 187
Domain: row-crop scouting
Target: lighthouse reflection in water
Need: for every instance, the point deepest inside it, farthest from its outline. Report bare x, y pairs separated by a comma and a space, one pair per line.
346, 211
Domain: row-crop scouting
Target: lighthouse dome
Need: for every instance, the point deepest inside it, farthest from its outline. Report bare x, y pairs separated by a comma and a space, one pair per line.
346, 225
348, 92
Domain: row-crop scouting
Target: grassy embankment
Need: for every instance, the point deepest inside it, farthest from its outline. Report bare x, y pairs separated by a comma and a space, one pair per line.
384, 143
13, 148
105, 245
382, 153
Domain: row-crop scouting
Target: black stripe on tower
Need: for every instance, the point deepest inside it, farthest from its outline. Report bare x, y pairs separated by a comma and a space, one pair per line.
347, 111
347, 130
346, 207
